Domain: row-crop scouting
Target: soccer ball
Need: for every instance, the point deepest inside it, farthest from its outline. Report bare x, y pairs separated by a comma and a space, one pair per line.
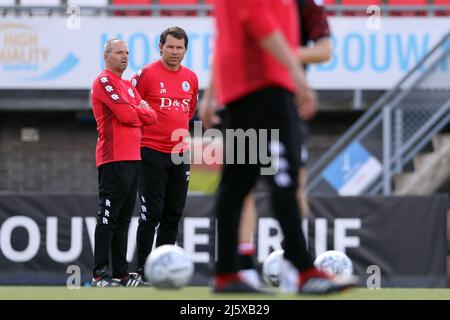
272, 268
334, 262
169, 267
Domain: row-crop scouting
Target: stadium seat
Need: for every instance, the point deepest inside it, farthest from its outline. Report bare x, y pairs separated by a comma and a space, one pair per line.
132, 12
179, 2
408, 3
40, 3
94, 6
44, 3
132, 2
88, 3
330, 3
7, 3
210, 2
442, 3
359, 3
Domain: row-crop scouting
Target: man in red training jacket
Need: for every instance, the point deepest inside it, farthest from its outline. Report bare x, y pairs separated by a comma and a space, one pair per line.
120, 113
171, 89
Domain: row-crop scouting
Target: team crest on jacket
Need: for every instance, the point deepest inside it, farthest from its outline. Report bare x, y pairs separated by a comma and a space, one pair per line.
130, 92
186, 86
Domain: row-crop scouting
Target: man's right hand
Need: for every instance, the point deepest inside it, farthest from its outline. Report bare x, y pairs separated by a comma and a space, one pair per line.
305, 98
306, 104
207, 111
144, 104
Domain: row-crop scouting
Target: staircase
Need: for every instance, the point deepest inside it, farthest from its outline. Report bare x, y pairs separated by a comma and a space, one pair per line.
370, 158
431, 169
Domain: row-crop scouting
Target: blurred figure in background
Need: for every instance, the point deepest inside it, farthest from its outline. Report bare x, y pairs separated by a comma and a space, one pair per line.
316, 47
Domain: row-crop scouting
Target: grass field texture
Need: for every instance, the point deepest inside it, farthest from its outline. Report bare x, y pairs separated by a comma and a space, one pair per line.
204, 293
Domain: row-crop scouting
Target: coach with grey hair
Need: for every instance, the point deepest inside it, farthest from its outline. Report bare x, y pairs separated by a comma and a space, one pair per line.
120, 113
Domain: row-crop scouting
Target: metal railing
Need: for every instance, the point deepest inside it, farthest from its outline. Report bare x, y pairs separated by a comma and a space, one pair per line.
399, 124
204, 9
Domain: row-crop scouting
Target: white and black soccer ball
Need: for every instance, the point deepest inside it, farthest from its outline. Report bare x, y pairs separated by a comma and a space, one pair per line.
334, 262
272, 268
169, 267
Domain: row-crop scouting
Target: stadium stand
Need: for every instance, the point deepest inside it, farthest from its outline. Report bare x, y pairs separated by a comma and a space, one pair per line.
89, 3
177, 12
44, 7
203, 7
8, 2
43, 3
362, 3
442, 3
177, 2
420, 3
132, 3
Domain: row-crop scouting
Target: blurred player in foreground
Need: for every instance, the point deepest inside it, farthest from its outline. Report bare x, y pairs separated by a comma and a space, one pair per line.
262, 90
313, 28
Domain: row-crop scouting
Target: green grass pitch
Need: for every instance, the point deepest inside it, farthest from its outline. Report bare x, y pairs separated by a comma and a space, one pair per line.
204, 293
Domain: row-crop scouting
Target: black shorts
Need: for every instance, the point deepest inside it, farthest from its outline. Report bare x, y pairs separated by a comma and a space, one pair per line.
303, 129
303, 134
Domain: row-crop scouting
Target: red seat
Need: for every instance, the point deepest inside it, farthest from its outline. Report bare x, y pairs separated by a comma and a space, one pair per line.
442, 3
330, 3
408, 3
365, 3
360, 2
179, 12
131, 2
212, 3
132, 12
179, 1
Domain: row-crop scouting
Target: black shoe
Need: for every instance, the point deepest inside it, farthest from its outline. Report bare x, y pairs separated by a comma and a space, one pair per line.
317, 282
238, 287
106, 281
140, 274
131, 280
323, 286
140, 277
102, 278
